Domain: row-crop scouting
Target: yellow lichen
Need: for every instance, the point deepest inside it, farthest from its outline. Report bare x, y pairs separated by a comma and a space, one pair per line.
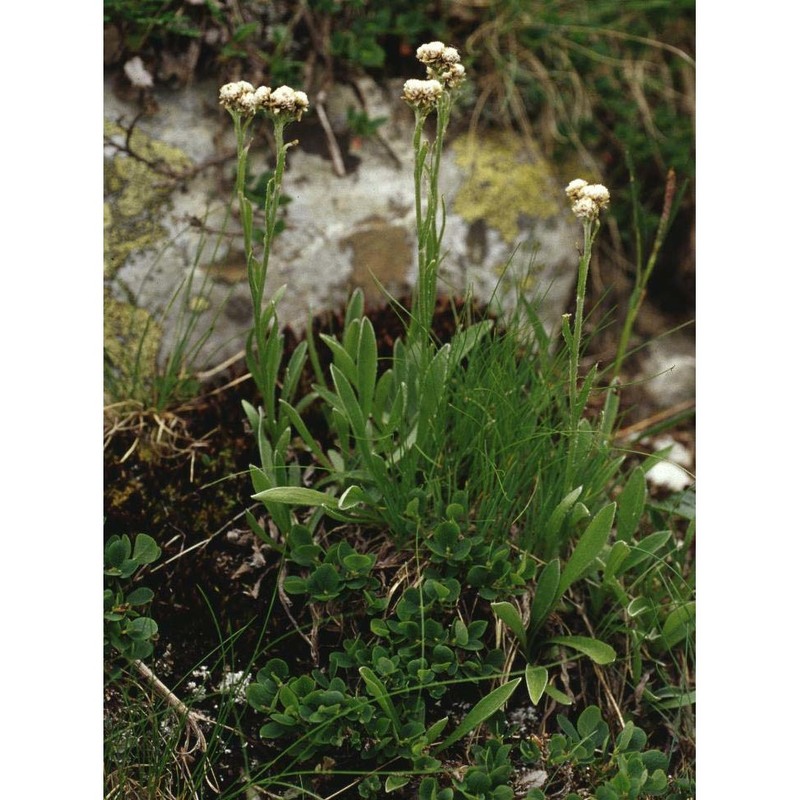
504, 182
136, 194
131, 341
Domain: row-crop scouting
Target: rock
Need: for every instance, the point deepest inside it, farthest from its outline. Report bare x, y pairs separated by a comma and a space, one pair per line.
168, 245
668, 371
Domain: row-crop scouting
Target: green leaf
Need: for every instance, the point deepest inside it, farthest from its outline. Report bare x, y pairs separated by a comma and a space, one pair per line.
145, 549
678, 625
589, 547
480, 712
553, 524
353, 496
598, 651
367, 365
305, 434
355, 416
324, 582
631, 505
293, 584
117, 551
141, 628
296, 496
433, 732
394, 782
641, 551
619, 552
557, 695
376, 688
637, 606
341, 358
536, 681
140, 596
508, 613
545, 595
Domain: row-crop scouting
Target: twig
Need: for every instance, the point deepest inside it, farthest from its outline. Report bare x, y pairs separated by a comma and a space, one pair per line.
643, 424
191, 718
333, 145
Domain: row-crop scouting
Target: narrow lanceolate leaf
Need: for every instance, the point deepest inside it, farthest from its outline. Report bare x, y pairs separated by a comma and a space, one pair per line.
480, 712
305, 434
508, 613
619, 552
598, 651
367, 366
631, 505
376, 688
589, 546
536, 681
560, 512
346, 394
545, 595
296, 496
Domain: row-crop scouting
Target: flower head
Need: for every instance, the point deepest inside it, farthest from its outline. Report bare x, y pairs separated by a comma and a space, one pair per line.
598, 193
238, 97
443, 63
285, 101
431, 52
587, 199
422, 94
585, 208
575, 188
451, 77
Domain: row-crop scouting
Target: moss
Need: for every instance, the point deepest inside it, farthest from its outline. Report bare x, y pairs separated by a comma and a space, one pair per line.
504, 183
136, 195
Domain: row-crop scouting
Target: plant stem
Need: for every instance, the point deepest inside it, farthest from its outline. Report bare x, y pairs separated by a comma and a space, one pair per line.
589, 231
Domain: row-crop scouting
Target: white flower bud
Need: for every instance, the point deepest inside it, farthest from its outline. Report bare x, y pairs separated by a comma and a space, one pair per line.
238, 97
450, 56
598, 193
262, 95
575, 189
450, 78
430, 52
585, 208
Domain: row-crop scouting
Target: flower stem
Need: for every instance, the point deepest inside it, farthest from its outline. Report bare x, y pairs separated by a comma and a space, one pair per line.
589, 231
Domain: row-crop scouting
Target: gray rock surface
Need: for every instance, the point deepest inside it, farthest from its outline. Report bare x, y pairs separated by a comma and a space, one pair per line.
509, 228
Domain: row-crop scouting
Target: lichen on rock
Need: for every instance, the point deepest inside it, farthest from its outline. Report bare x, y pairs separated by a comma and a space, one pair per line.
131, 342
137, 190
504, 183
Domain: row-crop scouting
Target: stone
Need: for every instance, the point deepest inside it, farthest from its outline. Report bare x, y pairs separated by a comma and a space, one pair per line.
171, 243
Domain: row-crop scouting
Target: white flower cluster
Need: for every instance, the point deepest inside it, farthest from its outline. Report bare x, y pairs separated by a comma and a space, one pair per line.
242, 98
588, 199
443, 63
422, 94
445, 71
